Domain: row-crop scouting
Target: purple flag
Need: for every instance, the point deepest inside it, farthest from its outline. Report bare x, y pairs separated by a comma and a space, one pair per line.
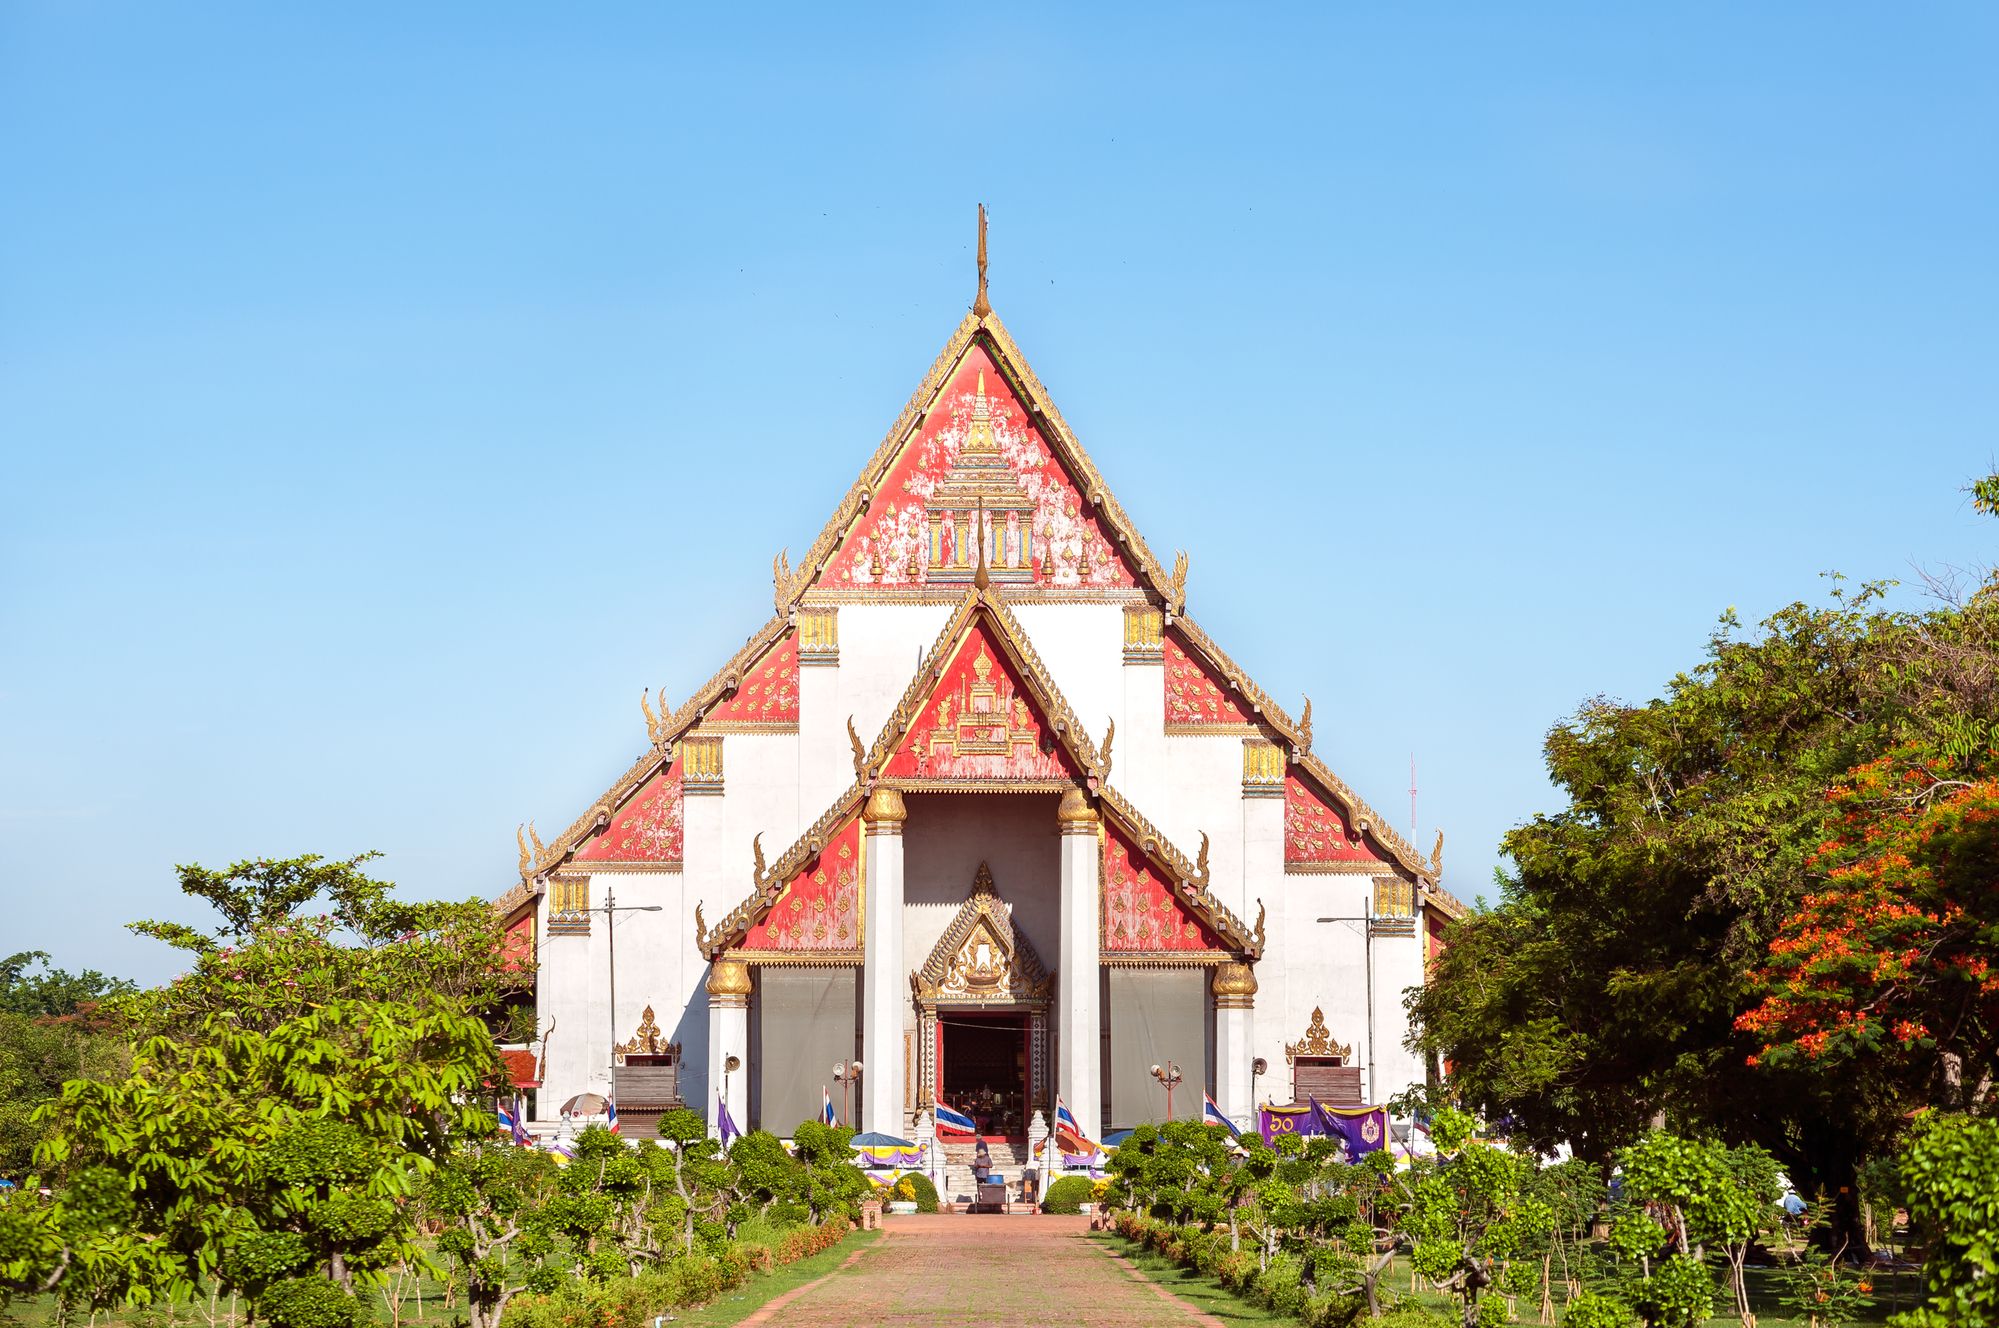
726, 1122
1273, 1121
1363, 1130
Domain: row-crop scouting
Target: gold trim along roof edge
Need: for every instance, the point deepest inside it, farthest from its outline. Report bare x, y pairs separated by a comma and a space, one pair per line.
660, 755
1168, 590
1188, 876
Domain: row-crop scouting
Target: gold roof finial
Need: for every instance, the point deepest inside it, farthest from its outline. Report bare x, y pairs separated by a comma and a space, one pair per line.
982, 306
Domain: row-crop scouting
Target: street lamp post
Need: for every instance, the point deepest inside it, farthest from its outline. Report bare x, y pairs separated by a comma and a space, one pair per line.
1366, 929
730, 1064
610, 910
844, 1074
1168, 1074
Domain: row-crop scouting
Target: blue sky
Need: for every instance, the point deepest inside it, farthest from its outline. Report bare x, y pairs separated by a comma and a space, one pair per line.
389, 393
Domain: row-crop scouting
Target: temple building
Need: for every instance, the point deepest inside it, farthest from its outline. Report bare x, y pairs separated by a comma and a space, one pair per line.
980, 816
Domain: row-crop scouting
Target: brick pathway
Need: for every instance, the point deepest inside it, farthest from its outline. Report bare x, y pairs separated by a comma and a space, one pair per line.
956, 1269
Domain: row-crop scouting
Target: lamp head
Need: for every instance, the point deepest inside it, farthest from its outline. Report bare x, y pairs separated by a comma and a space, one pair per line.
1259, 1066
731, 1064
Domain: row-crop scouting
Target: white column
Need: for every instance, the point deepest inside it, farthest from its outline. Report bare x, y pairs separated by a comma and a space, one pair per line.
885, 988
1078, 1049
1235, 994
728, 1035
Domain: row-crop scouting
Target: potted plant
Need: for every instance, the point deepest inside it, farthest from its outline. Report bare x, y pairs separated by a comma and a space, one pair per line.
902, 1198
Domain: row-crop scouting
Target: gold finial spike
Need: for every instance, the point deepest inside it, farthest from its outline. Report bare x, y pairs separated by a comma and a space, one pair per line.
982, 306
981, 578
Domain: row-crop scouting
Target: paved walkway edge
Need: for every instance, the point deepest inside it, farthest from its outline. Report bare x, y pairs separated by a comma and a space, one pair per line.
762, 1314
1132, 1270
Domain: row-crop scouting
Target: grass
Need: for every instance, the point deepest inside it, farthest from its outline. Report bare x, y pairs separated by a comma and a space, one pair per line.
735, 1306
1201, 1292
1894, 1293
732, 1307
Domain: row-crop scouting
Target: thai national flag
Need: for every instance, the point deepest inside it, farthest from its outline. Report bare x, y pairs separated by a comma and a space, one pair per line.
955, 1123
726, 1121
1068, 1134
510, 1121
826, 1107
611, 1115
1212, 1115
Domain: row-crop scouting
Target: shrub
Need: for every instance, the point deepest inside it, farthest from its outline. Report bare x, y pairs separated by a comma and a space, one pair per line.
1591, 1310
1067, 1195
1415, 1316
310, 1302
1282, 1285
1237, 1271
922, 1191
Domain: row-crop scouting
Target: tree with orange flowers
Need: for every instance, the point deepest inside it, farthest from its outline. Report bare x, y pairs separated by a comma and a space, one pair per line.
1764, 911
1894, 957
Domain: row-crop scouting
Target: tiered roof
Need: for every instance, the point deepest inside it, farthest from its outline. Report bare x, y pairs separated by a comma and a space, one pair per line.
865, 554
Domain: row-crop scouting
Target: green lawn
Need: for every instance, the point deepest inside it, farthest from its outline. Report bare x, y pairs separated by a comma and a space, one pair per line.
1201, 1292
1893, 1293
735, 1306
423, 1303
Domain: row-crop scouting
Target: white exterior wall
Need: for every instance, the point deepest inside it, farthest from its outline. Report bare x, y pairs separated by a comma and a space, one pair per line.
780, 783
945, 839
1083, 647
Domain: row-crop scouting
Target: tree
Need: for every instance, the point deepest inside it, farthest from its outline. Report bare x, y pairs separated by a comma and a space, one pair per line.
1607, 987
1710, 1196
270, 961
1946, 1171
271, 1161
491, 1203
1895, 959
1469, 1213
53, 992
690, 1159
830, 1182
37, 1055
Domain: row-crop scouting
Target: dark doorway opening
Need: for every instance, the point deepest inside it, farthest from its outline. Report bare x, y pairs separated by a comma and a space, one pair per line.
984, 1057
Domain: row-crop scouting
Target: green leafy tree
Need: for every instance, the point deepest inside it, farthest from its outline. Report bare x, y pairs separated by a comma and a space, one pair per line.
1469, 1214
1947, 1173
269, 959
831, 1184
1690, 1196
38, 1054
490, 1205
1608, 985
264, 1160
767, 1176
691, 1162
52, 992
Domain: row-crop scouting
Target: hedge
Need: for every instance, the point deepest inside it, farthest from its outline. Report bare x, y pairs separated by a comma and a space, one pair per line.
926, 1193
1279, 1288
1067, 1195
689, 1280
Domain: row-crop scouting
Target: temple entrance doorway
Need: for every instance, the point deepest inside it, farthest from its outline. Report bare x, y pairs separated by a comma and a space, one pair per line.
986, 1070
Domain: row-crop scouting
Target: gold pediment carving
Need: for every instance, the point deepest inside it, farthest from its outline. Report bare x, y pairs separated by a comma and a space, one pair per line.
648, 1040
981, 959
1318, 1041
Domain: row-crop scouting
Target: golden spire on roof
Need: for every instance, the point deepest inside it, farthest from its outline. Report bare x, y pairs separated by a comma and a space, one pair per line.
982, 306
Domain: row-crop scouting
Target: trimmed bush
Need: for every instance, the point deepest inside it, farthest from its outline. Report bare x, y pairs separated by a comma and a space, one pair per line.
926, 1193
1067, 1195
1413, 1316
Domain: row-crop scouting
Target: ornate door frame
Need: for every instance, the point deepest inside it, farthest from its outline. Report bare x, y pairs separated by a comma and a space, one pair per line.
982, 965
